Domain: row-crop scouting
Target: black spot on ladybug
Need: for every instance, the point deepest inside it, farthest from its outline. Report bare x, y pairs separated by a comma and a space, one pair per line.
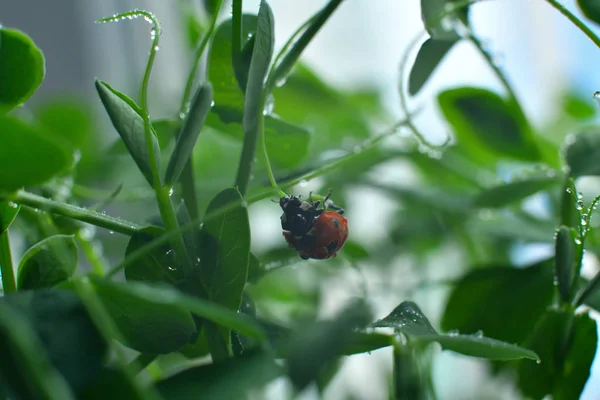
336, 223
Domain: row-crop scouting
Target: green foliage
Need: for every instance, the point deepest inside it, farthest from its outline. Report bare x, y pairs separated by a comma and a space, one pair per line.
591, 9
22, 70
202, 304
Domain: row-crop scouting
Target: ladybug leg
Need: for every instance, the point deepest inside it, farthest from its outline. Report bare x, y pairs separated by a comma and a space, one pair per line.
339, 210
326, 198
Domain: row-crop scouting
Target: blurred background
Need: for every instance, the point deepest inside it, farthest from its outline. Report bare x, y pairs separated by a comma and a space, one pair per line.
358, 52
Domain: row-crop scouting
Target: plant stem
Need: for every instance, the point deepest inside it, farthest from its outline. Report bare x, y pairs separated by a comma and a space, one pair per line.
9, 284
188, 189
236, 30
95, 260
263, 144
575, 21
199, 51
290, 59
242, 180
91, 217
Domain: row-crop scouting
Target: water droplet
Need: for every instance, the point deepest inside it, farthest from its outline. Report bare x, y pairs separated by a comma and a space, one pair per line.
269, 105
181, 115
578, 240
579, 205
538, 361
212, 103
569, 190
172, 268
12, 205
156, 48
584, 219
280, 82
111, 232
596, 95
452, 333
171, 191
479, 334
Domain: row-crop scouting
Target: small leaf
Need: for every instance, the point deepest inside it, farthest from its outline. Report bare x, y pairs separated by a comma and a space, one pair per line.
503, 195
582, 150
430, 54
189, 133
312, 347
564, 250
483, 294
570, 213
482, 120
161, 294
29, 156
126, 117
566, 363
8, 213
591, 9
22, 69
226, 221
232, 379
63, 326
146, 326
48, 263
408, 319
158, 265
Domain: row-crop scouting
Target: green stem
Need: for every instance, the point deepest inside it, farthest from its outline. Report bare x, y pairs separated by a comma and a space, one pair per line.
263, 144
91, 217
188, 189
236, 30
6, 266
183, 108
575, 21
290, 59
98, 267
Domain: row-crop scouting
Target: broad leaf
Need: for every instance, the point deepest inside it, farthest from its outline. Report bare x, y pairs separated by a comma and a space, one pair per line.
482, 120
226, 247
442, 28
48, 263
8, 213
22, 69
126, 117
161, 294
408, 319
566, 362
313, 346
431, 53
165, 130
503, 195
29, 156
591, 9
189, 133
232, 379
158, 265
582, 151
287, 144
146, 326
60, 323
480, 298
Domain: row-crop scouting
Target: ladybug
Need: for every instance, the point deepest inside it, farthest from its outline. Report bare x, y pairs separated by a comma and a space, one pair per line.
312, 231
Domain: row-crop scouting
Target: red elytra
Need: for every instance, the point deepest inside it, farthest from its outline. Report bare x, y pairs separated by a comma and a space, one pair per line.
323, 240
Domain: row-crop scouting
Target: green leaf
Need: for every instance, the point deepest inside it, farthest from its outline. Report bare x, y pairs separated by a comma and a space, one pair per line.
126, 117
566, 361
432, 10
482, 295
564, 250
56, 320
582, 150
482, 120
189, 133
591, 9
287, 144
227, 93
8, 213
157, 265
570, 212
161, 294
146, 326
69, 121
430, 54
226, 222
22, 69
48, 263
505, 194
165, 130
315, 345
241, 67
361, 342
29, 155
408, 319
232, 379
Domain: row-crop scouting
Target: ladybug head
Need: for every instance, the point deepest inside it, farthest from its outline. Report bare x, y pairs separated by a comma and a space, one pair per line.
289, 203
298, 216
